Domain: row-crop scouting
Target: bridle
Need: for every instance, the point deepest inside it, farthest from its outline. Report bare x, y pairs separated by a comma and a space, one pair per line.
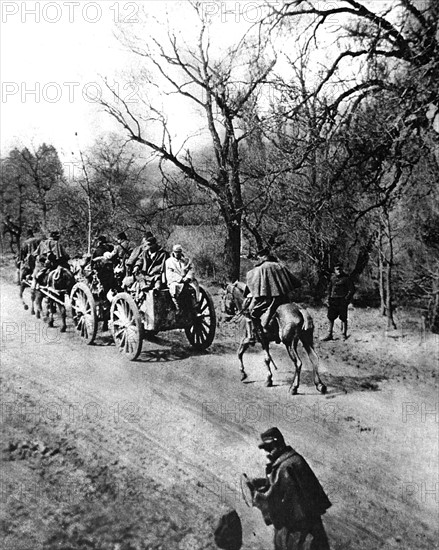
230, 301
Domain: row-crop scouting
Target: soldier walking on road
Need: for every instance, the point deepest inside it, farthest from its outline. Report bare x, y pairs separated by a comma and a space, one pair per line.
290, 497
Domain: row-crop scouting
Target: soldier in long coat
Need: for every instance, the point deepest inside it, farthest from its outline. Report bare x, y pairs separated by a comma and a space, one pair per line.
151, 265
26, 256
53, 246
291, 498
270, 284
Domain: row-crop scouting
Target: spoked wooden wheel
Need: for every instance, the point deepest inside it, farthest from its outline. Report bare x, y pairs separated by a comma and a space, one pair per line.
202, 332
84, 313
126, 325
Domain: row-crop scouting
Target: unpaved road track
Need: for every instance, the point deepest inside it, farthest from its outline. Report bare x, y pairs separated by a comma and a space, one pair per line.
183, 428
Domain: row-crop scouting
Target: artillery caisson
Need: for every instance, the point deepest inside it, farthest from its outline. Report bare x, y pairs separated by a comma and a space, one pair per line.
132, 317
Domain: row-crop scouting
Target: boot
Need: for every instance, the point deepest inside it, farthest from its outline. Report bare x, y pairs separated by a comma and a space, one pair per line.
329, 336
250, 335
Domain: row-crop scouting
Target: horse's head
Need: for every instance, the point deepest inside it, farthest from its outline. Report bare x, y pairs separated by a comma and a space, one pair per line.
228, 303
233, 298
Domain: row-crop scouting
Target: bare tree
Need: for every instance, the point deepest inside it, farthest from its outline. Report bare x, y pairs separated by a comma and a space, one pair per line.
389, 46
220, 90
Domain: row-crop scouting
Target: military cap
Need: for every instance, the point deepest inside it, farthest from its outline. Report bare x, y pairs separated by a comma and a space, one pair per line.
151, 240
264, 251
272, 435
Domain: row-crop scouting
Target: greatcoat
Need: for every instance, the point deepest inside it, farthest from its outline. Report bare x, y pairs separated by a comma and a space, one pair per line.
293, 501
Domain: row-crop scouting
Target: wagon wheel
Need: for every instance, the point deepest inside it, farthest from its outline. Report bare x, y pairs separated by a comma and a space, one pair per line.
126, 325
202, 332
84, 313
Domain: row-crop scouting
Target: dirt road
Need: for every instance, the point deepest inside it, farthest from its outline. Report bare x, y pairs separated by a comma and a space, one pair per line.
103, 453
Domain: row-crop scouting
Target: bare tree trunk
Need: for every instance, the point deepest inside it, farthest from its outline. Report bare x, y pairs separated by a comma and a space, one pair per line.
232, 251
434, 310
389, 268
381, 262
44, 212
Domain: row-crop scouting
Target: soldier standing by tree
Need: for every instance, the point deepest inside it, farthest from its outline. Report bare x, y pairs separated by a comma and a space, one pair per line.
340, 292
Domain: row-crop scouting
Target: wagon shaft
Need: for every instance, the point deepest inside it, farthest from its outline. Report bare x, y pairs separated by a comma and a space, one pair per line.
49, 293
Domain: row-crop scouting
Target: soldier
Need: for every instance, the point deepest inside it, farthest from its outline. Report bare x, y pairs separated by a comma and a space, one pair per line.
53, 246
151, 264
179, 271
26, 257
270, 284
291, 497
102, 246
136, 253
340, 292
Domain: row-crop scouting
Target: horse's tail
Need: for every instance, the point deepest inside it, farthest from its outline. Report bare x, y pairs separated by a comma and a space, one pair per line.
307, 332
308, 322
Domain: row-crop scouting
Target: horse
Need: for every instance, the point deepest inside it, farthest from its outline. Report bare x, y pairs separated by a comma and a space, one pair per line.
59, 282
289, 325
14, 232
25, 271
26, 263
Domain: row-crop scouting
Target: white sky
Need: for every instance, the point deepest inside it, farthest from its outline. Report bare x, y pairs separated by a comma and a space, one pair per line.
52, 52
44, 57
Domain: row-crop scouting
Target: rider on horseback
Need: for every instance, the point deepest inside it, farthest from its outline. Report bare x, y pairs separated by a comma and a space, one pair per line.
269, 284
26, 258
53, 246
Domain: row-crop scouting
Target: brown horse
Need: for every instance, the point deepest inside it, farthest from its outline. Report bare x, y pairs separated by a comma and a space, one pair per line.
53, 286
25, 270
289, 325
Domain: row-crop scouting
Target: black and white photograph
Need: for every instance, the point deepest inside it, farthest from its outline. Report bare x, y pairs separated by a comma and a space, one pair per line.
219, 277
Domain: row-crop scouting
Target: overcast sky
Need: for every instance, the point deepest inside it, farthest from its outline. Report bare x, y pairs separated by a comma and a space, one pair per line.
54, 54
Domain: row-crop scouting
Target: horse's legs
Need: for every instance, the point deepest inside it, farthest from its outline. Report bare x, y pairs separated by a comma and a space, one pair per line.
105, 317
32, 300
63, 313
307, 341
268, 360
243, 347
49, 312
294, 356
22, 287
38, 301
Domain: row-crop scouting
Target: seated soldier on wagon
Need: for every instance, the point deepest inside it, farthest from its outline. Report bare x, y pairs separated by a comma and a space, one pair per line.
149, 269
179, 272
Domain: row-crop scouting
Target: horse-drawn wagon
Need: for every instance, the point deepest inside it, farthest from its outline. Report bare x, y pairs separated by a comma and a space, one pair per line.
89, 300
132, 317
135, 314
